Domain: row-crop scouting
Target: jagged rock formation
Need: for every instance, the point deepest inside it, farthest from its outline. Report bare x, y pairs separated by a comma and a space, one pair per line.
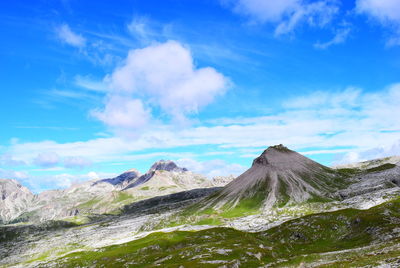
14, 199
279, 176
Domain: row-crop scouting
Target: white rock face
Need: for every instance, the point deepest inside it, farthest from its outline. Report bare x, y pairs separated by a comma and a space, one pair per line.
14, 199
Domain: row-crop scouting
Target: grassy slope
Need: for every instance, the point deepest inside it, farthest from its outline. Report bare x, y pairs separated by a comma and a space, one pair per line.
293, 242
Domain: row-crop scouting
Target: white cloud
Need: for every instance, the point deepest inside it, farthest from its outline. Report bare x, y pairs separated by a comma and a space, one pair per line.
346, 119
339, 38
211, 168
266, 11
165, 76
123, 112
9, 160
12, 174
90, 84
346, 98
373, 153
76, 162
47, 159
288, 14
69, 37
387, 12
139, 28
317, 14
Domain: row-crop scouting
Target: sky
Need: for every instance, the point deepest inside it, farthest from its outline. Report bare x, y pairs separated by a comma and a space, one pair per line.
90, 89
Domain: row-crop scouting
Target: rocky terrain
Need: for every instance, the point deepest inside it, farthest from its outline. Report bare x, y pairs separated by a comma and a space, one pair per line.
98, 196
285, 211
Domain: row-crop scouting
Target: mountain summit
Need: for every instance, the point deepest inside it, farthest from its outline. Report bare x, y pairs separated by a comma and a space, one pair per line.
166, 165
162, 165
279, 176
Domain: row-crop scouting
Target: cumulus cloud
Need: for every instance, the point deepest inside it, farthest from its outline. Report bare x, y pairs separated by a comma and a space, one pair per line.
66, 35
211, 168
165, 76
47, 159
386, 12
123, 112
286, 15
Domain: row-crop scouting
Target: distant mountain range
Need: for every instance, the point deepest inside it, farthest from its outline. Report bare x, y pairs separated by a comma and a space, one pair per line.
286, 210
18, 204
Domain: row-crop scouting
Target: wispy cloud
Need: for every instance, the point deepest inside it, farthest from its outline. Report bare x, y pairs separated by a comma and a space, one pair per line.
67, 36
331, 118
287, 15
339, 38
88, 83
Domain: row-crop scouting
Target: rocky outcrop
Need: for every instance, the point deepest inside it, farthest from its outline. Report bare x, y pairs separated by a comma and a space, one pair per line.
14, 199
372, 180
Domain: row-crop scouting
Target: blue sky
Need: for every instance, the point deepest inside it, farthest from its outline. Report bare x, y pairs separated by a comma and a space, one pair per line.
89, 90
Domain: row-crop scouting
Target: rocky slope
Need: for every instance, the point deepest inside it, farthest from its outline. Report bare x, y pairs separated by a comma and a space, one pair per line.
344, 238
14, 199
98, 197
278, 177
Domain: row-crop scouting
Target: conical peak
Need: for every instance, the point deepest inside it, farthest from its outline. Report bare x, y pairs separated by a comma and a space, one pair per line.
279, 147
278, 155
167, 165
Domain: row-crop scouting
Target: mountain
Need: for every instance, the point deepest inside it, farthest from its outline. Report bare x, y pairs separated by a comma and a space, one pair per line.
110, 195
122, 180
277, 177
162, 165
14, 199
285, 211
364, 165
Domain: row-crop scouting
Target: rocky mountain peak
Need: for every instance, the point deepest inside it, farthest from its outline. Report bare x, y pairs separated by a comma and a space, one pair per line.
122, 179
14, 199
279, 176
279, 156
166, 165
